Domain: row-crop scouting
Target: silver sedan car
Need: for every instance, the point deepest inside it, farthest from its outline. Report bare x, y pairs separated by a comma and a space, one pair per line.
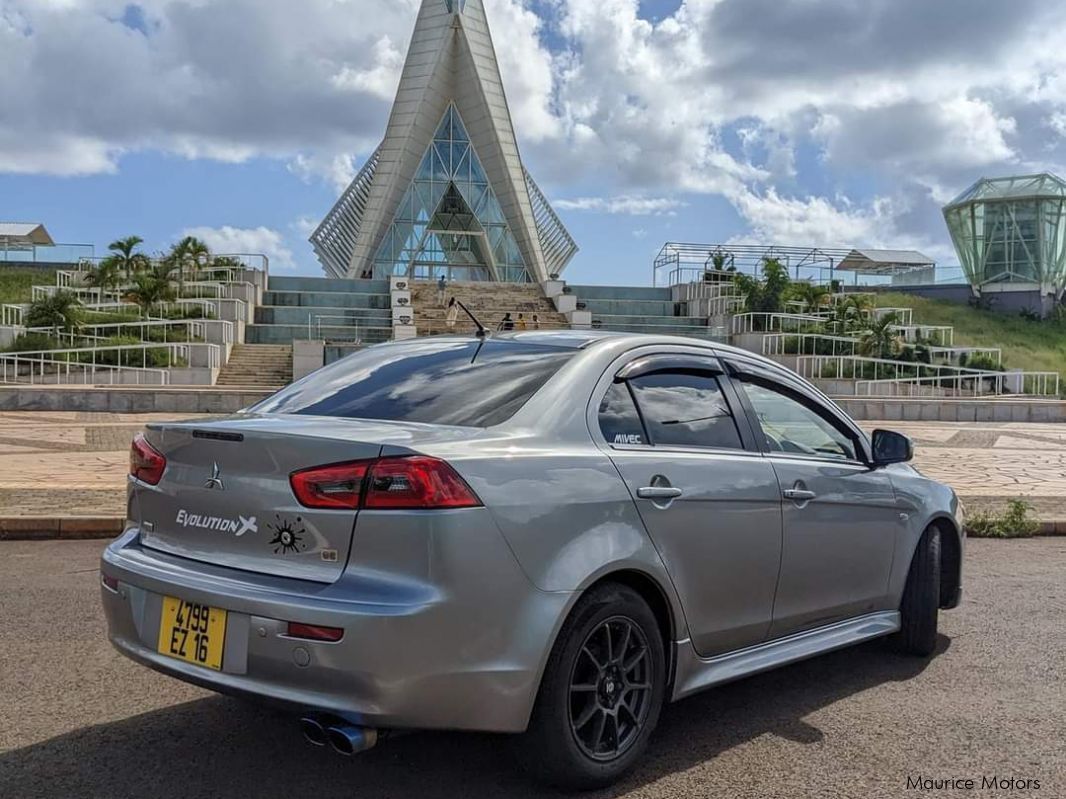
545, 534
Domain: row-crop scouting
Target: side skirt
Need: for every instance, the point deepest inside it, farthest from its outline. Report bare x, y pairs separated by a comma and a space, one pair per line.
695, 673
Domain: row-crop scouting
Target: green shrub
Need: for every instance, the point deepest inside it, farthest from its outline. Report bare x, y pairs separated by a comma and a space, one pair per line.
154, 358
61, 309
33, 342
109, 317
188, 312
1014, 522
983, 362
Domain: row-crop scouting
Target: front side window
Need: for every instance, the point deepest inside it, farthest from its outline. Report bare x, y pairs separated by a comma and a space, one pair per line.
685, 409
790, 426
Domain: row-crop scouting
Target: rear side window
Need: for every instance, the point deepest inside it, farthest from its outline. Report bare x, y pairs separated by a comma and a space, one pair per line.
619, 420
685, 409
464, 383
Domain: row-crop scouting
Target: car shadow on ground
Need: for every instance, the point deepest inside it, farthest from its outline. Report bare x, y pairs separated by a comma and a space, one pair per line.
224, 747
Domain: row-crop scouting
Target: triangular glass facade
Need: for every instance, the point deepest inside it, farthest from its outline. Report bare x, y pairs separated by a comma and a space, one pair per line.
455, 5
450, 221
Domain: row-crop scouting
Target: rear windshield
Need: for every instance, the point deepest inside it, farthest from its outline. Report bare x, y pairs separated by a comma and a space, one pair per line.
465, 383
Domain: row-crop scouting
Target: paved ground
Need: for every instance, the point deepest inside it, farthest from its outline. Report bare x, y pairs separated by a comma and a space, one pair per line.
77, 720
75, 463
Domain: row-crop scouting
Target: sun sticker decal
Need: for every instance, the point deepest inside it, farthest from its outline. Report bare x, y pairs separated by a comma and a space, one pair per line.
288, 536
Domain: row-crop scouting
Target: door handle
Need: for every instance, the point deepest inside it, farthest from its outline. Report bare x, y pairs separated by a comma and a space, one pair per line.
799, 494
659, 492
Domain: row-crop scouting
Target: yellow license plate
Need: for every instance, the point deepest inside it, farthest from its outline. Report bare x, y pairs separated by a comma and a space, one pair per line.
192, 632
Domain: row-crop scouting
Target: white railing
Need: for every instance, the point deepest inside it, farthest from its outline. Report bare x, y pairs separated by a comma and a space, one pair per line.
112, 307
845, 296
92, 295
873, 375
942, 335
905, 316
18, 369
12, 315
973, 384
776, 323
778, 344
955, 353
202, 289
808, 344
347, 323
723, 305
195, 330
664, 329
177, 355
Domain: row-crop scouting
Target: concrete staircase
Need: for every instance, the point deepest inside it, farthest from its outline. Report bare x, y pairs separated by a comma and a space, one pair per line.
632, 309
322, 308
259, 365
488, 302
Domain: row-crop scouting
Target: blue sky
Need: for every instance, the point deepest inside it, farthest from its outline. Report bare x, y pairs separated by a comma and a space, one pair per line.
799, 122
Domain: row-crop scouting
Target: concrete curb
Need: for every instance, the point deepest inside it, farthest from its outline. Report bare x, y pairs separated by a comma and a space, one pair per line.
74, 528
69, 528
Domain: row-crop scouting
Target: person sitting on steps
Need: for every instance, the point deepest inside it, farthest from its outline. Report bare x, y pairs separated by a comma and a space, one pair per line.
507, 324
452, 315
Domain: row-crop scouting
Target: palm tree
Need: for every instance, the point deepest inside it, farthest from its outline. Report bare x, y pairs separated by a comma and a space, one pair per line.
127, 258
881, 340
61, 311
108, 274
152, 287
813, 297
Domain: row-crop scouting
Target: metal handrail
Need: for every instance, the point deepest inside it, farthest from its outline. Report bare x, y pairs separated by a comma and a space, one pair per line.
911, 333
1025, 384
176, 352
12, 315
776, 344
774, 322
14, 366
889, 373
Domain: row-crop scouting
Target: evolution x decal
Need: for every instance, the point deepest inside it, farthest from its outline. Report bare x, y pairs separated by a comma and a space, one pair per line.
239, 526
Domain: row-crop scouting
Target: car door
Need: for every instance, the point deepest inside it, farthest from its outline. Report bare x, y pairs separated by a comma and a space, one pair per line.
841, 517
707, 497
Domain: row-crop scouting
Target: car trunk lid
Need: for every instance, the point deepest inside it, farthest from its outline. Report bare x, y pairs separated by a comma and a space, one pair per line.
225, 496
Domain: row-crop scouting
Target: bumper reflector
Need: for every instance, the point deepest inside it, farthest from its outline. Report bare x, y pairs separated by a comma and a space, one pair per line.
314, 632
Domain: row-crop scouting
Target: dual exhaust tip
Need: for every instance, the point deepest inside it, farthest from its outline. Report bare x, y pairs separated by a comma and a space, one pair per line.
346, 739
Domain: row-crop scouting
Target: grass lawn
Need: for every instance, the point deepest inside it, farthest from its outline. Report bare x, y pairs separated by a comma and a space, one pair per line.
15, 284
1028, 345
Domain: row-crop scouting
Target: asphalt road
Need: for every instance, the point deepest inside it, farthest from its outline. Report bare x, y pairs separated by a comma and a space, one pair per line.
78, 720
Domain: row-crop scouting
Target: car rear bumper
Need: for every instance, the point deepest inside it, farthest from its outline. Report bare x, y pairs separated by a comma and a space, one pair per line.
413, 656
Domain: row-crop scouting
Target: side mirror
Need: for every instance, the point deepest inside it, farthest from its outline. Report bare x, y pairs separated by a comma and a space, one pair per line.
890, 447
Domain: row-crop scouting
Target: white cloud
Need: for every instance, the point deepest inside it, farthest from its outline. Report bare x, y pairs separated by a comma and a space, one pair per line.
631, 206
246, 241
379, 80
339, 169
780, 106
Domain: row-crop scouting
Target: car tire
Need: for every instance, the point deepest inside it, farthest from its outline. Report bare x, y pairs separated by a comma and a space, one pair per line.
920, 607
567, 745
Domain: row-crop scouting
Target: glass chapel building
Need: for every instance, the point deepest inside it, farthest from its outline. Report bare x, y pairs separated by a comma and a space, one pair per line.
1010, 234
446, 192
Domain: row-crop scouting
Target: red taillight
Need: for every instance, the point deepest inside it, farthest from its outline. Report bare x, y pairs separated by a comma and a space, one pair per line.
416, 482
339, 486
110, 582
146, 462
314, 632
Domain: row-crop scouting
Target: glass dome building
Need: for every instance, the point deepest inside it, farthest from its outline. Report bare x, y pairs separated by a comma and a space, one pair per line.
1010, 233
